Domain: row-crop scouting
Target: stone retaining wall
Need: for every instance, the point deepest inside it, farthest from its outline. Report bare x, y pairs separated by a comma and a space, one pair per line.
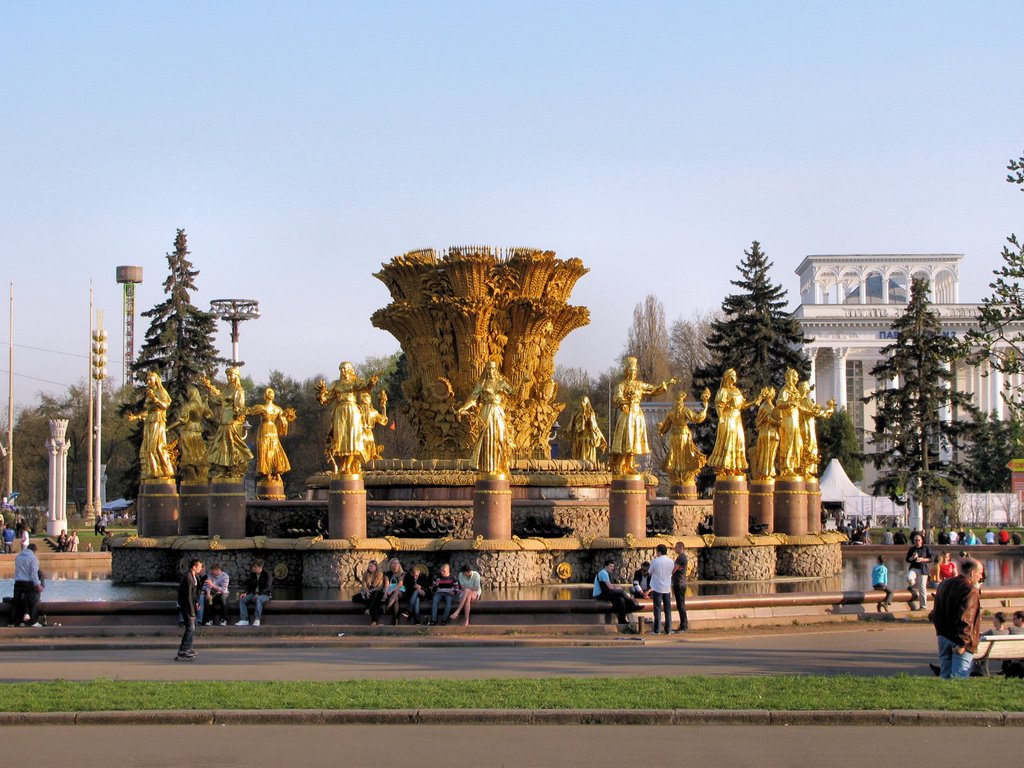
809, 560
737, 563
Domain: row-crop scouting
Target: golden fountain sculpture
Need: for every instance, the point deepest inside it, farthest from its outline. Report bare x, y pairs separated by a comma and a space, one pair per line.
155, 455
455, 311
345, 442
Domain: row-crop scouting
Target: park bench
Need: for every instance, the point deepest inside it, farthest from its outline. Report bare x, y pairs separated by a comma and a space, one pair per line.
998, 648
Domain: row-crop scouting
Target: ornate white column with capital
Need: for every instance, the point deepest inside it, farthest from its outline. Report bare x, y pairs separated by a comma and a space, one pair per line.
996, 391
839, 374
56, 516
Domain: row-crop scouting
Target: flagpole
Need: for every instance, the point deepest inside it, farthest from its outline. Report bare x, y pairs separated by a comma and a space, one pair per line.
89, 441
10, 401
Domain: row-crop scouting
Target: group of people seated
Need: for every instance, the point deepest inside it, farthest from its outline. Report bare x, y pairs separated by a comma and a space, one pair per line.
398, 592
213, 593
66, 543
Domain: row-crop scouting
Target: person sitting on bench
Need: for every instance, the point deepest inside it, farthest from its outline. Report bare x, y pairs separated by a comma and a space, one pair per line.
621, 602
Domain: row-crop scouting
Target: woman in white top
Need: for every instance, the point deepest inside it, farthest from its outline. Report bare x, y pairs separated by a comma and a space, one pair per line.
469, 585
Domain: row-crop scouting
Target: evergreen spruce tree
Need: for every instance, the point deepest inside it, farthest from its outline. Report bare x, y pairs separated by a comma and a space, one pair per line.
178, 346
179, 341
756, 335
993, 443
837, 439
910, 431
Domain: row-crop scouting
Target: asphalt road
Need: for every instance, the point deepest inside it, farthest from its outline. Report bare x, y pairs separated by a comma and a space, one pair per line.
873, 650
477, 746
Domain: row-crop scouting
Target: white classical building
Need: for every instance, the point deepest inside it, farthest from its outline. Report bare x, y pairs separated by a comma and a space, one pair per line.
848, 304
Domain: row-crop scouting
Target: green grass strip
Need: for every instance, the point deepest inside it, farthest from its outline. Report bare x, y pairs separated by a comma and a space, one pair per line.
776, 693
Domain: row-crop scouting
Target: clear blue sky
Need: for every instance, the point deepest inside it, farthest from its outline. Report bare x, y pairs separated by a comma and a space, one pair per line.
302, 144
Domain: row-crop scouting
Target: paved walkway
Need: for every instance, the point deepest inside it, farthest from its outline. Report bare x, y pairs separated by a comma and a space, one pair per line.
860, 650
474, 746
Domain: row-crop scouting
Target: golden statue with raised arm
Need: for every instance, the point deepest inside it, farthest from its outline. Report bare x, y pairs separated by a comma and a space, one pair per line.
809, 412
271, 462
227, 452
154, 455
762, 460
684, 459
729, 455
345, 442
372, 418
193, 463
787, 409
587, 437
492, 452
629, 439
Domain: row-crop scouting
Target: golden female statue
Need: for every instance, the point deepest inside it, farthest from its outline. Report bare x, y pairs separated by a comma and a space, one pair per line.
345, 442
492, 453
729, 455
227, 453
274, 421
787, 409
630, 436
762, 460
809, 412
587, 437
193, 463
684, 459
372, 418
154, 454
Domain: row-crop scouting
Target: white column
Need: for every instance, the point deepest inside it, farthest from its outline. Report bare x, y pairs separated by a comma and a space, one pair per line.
946, 415
839, 386
812, 353
863, 290
885, 289
56, 517
996, 390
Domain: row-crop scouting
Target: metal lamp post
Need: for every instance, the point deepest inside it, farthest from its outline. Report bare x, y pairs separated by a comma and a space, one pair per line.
235, 311
99, 373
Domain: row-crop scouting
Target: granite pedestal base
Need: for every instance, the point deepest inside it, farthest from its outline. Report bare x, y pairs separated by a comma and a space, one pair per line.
627, 507
346, 507
762, 504
227, 509
731, 506
158, 509
790, 506
195, 509
492, 507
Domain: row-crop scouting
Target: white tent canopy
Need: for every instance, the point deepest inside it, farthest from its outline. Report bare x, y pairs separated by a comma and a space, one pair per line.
836, 486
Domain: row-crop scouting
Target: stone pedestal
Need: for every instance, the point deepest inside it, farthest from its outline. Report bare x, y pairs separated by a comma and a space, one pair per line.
195, 509
813, 505
790, 506
346, 507
627, 507
731, 506
682, 490
227, 509
270, 490
492, 507
159, 508
762, 503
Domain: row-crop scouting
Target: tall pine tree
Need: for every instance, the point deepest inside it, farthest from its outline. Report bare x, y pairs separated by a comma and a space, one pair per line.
179, 342
178, 346
755, 334
910, 429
